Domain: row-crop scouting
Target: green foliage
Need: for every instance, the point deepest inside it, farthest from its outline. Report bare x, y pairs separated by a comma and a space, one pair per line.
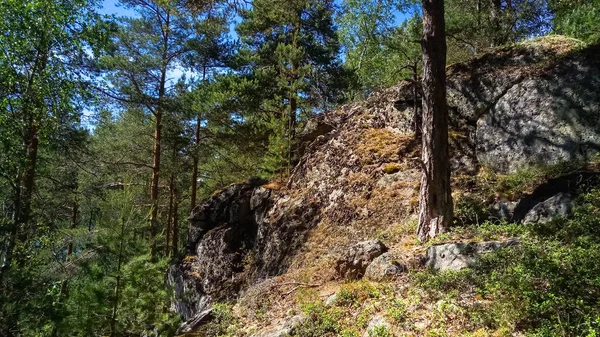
223, 323
469, 210
578, 19
320, 321
474, 26
379, 331
548, 285
397, 310
376, 50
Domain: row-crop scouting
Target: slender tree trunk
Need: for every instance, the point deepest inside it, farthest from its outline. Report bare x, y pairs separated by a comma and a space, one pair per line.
117, 291
170, 215
435, 196
24, 188
64, 286
154, 186
175, 244
195, 168
196, 159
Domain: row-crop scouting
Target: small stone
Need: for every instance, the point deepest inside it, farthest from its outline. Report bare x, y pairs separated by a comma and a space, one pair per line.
457, 256
353, 262
375, 322
331, 300
384, 268
558, 205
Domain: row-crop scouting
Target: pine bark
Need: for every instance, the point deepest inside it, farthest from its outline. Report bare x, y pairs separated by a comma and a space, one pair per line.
435, 196
154, 185
194, 188
175, 241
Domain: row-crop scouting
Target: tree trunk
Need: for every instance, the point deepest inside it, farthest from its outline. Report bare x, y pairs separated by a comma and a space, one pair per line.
154, 186
23, 192
435, 196
117, 291
195, 168
417, 117
64, 286
170, 215
175, 244
195, 158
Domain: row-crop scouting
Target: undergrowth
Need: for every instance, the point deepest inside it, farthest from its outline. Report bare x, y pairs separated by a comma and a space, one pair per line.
549, 285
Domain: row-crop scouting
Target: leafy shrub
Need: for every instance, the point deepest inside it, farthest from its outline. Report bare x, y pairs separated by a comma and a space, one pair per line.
379, 331
397, 310
320, 321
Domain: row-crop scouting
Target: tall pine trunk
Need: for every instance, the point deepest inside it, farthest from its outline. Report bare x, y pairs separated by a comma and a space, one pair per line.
435, 197
64, 286
154, 185
196, 160
170, 214
175, 240
417, 117
158, 115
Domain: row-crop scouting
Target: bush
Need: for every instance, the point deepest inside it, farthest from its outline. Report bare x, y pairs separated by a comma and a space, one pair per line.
320, 321
549, 285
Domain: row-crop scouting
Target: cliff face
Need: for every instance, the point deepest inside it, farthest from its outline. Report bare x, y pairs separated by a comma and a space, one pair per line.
534, 103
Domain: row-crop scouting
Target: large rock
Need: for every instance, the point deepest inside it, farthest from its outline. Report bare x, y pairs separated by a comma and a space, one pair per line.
236, 239
558, 205
457, 256
384, 268
223, 230
353, 262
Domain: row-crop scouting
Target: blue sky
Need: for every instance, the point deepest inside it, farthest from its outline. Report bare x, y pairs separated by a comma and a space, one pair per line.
111, 7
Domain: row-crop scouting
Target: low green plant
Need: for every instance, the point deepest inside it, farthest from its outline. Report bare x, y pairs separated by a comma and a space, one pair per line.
397, 310
379, 331
349, 333
223, 323
320, 321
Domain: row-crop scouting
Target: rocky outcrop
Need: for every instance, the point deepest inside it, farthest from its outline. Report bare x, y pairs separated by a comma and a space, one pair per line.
457, 256
358, 175
531, 104
222, 233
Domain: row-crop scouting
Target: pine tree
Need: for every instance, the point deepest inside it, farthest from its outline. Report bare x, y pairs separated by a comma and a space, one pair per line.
150, 47
290, 53
435, 206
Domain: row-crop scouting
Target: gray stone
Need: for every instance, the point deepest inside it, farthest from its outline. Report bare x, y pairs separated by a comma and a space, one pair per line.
558, 205
377, 321
503, 210
456, 256
282, 329
353, 262
192, 324
384, 268
331, 300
